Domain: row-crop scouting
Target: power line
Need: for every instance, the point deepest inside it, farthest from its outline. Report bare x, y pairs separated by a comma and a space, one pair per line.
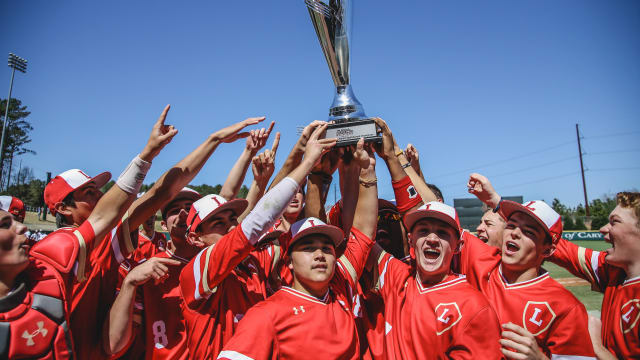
617, 169
612, 152
610, 135
498, 162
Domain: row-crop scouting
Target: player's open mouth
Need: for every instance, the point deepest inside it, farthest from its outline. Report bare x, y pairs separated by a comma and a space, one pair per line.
431, 254
512, 247
483, 237
382, 233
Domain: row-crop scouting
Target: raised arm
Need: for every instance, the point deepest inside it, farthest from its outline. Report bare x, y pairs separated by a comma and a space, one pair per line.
481, 187
179, 176
262, 167
112, 206
318, 184
254, 143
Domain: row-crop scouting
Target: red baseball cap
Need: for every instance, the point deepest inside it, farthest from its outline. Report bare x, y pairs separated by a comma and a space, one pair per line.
540, 211
210, 205
12, 205
67, 182
313, 225
434, 210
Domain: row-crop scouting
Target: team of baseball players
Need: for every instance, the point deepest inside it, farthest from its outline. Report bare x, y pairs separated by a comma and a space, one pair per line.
273, 276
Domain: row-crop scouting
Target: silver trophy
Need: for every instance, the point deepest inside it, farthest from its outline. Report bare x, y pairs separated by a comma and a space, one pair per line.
333, 22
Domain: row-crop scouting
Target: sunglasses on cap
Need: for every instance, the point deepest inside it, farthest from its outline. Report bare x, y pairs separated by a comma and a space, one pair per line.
389, 216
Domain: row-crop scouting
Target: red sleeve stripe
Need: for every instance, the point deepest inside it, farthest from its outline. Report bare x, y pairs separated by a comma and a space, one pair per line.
232, 355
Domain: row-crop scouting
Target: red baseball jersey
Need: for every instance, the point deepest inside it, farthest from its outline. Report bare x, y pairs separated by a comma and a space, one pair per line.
148, 248
291, 324
219, 285
92, 298
545, 308
621, 303
159, 325
448, 320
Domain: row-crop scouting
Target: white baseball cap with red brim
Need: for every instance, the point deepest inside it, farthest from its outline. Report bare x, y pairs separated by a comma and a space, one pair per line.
211, 205
13, 205
310, 226
433, 210
67, 182
540, 211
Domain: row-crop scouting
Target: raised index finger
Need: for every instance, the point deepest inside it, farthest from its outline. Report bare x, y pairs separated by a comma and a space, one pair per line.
163, 115
274, 147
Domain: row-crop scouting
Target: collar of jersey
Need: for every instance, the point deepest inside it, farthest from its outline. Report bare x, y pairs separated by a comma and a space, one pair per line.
292, 291
174, 256
442, 285
521, 284
631, 281
14, 298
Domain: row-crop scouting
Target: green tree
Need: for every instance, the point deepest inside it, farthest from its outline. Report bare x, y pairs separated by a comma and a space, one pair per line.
559, 207
580, 224
16, 136
568, 223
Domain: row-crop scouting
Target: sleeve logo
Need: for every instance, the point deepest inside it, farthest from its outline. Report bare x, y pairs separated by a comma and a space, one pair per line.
447, 315
629, 315
537, 317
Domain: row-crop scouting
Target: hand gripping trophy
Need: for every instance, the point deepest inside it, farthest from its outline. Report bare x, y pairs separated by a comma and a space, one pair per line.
333, 24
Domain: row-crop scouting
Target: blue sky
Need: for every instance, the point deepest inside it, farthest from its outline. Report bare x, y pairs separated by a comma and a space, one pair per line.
494, 86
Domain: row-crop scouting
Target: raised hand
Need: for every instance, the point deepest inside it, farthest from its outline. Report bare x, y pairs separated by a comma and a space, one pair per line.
160, 136
388, 147
155, 268
316, 147
306, 134
258, 139
412, 155
263, 164
363, 155
518, 343
481, 187
232, 133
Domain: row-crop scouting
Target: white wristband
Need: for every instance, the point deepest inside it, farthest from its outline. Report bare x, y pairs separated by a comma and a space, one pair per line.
132, 177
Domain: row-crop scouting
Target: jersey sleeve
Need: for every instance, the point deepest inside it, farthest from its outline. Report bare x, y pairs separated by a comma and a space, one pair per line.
253, 339
569, 337
477, 259
199, 279
267, 258
582, 262
122, 241
478, 339
355, 256
388, 275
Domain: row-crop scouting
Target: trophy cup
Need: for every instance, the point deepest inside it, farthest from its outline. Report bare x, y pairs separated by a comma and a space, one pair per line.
333, 22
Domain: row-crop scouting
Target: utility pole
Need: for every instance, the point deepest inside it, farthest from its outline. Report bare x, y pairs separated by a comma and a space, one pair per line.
15, 63
584, 185
44, 206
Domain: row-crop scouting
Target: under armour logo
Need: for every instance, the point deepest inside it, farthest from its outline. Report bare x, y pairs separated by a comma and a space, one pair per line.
40, 330
297, 310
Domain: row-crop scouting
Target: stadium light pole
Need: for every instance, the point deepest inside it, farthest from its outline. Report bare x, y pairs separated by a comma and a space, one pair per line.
15, 63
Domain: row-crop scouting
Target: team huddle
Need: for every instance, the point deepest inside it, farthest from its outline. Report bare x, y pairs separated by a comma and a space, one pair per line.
274, 276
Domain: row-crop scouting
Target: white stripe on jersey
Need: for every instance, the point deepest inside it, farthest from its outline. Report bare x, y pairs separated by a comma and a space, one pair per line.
595, 256
570, 357
384, 271
116, 246
233, 355
196, 275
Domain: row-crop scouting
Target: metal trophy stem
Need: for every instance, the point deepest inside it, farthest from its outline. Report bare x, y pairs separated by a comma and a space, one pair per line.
332, 22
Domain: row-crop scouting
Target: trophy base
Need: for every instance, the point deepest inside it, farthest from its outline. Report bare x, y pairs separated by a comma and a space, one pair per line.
349, 132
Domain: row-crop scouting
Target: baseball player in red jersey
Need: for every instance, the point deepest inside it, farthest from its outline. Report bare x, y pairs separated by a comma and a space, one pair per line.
616, 273
431, 312
150, 241
228, 276
314, 318
35, 291
539, 316
162, 332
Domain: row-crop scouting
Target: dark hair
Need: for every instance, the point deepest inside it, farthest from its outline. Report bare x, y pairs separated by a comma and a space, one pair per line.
436, 192
61, 221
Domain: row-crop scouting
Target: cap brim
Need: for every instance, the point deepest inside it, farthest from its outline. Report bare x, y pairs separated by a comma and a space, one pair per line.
412, 217
507, 208
238, 206
101, 179
190, 195
333, 232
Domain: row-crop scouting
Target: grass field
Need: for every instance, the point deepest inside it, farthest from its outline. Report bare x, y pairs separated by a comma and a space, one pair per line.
592, 300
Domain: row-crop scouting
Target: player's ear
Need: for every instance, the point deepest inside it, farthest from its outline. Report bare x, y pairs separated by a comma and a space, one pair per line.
549, 249
409, 239
194, 239
459, 244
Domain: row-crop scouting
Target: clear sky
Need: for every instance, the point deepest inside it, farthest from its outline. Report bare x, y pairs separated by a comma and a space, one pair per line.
493, 86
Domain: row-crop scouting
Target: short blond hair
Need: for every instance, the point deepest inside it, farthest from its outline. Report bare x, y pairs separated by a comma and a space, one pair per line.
630, 200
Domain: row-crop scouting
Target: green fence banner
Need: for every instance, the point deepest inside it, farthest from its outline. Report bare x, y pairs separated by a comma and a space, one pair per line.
582, 235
